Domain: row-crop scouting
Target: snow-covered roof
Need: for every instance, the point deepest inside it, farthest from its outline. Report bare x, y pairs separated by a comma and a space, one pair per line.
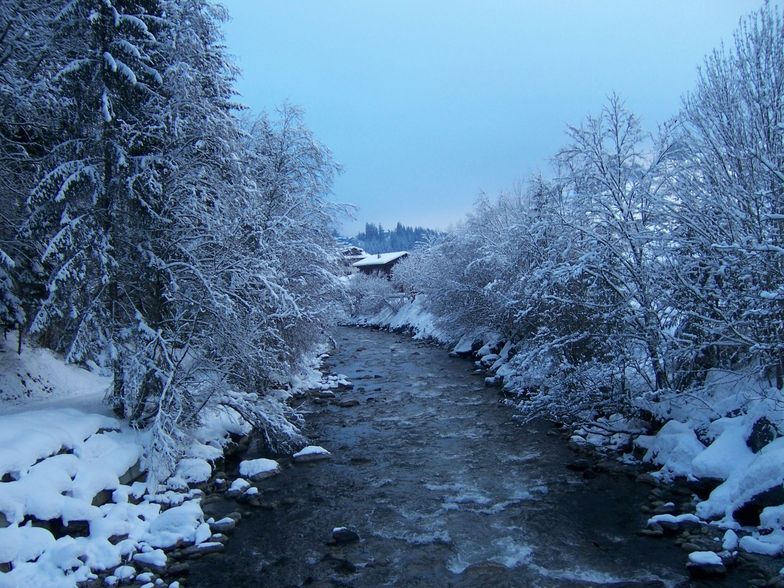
380, 259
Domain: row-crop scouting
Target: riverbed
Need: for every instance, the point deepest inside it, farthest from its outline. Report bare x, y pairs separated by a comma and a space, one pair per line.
444, 488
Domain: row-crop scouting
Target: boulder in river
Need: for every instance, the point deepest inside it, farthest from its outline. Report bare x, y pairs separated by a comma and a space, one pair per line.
258, 469
344, 536
311, 453
705, 564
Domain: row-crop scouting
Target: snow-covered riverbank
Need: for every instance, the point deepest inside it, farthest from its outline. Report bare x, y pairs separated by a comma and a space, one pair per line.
75, 506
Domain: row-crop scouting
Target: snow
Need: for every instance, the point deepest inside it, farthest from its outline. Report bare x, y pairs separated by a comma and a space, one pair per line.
156, 558
63, 485
674, 448
766, 545
256, 469
193, 470
745, 481
410, 315
311, 450
730, 541
239, 485
705, 558
175, 524
380, 259
465, 344
125, 572
19, 544
669, 518
729, 452
59, 455
39, 378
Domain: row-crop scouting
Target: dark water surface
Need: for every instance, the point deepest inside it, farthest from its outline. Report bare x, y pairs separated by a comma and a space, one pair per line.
444, 488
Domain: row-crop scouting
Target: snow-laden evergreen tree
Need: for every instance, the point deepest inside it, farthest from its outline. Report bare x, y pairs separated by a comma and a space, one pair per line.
26, 109
84, 205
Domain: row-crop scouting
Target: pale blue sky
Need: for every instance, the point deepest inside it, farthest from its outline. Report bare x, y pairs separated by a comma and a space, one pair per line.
426, 103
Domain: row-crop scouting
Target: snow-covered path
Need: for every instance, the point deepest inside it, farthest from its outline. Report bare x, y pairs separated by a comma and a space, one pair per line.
443, 487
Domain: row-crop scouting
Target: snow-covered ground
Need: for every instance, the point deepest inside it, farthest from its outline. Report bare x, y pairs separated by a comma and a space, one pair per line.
73, 501
741, 455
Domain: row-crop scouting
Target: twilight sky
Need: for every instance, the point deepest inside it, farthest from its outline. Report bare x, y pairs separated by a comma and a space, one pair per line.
426, 103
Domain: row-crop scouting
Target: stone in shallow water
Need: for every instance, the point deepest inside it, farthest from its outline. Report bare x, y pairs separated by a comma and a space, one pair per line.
311, 453
705, 564
224, 525
258, 469
344, 535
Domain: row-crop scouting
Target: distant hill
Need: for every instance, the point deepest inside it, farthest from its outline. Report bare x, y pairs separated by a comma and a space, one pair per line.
376, 239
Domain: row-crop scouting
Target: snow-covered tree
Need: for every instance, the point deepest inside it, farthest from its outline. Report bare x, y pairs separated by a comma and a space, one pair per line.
187, 254
730, 203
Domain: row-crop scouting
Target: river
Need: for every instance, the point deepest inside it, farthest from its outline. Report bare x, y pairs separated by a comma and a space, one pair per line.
444, 487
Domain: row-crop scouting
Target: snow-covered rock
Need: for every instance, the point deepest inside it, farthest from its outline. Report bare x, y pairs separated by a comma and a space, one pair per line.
20, 544
155, 559
193, 470
705, 558
730, 541
175, 524
258, 469
746, 481
311, 453
674, 448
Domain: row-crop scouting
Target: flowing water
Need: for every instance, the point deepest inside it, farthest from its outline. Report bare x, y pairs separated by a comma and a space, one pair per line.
444, 487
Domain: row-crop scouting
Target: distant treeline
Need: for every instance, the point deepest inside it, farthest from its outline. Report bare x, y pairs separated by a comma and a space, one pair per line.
376, 239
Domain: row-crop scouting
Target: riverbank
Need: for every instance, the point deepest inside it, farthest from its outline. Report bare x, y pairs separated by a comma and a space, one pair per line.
77, 506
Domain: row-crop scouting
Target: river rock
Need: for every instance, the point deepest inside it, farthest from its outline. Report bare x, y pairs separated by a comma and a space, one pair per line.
579, 465
762, 432
344, 535
202, 549
237, 516
152, 560
311, 453
179, 569
705, 564
259, 469
666, 508
124, 572
348, 403
225, 525
647, 478
144, 577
